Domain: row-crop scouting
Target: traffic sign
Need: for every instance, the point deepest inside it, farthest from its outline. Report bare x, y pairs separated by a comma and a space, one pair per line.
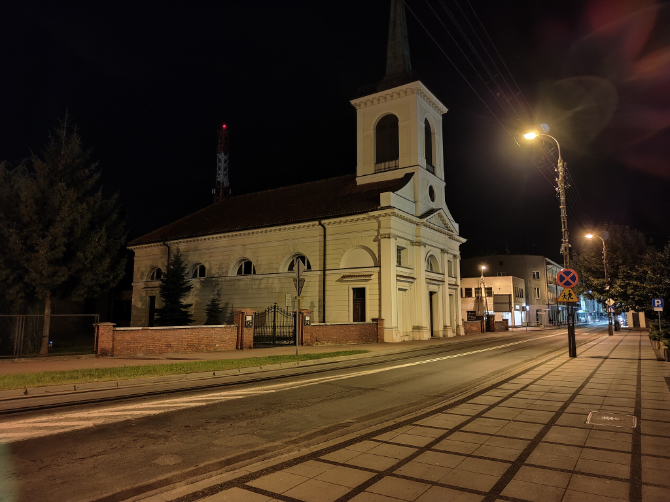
658, 304
567, 295
610, 302
610, 309
289, 300
567, 278
298, 283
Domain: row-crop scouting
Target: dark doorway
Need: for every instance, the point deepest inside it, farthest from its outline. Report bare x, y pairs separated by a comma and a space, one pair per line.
636, 319
431, 300
152, 310
358, 304
387, 142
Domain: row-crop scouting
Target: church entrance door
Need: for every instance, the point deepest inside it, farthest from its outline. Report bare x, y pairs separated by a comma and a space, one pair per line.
274, 327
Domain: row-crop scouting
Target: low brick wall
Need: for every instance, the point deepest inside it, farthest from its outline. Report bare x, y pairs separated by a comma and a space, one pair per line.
472, 327
342, 333
502, 326
181, 339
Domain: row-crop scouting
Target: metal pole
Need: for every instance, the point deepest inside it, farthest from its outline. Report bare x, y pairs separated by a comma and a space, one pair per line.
565, 249
610, 329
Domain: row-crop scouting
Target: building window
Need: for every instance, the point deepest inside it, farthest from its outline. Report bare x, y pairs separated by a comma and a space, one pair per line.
537, 293
428, 146
303, 259
358, 304
199, 271
536, 275
387, 146
450, 268
156, 274
399, 256
489, 292
501, 274
467, 292
431, 193
246, 268
431, 264
478, 292
550, 294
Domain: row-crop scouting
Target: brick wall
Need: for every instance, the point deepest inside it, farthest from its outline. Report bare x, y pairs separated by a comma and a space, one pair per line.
345, 333
502, 325
472, 327
135, 341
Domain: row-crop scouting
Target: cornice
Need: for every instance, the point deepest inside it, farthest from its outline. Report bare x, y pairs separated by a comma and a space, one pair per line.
383, 97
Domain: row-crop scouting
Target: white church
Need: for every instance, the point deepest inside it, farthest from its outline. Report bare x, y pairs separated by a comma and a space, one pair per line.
380, 243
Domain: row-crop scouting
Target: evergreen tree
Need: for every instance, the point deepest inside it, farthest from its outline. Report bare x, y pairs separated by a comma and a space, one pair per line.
213, 309
63, 238
175, 285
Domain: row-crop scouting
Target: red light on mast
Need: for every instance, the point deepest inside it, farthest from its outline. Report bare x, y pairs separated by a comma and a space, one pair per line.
224, 126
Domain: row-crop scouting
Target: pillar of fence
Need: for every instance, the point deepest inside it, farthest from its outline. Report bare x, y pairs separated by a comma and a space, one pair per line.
244, 318
104, 338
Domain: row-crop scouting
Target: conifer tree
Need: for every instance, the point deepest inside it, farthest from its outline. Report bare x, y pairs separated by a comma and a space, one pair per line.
174, 287
63, 238
213, 309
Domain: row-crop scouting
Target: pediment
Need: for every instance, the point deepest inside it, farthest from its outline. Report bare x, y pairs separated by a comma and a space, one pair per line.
438, 218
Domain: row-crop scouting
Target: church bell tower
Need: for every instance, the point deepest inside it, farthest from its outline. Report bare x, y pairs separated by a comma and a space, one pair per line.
399, 126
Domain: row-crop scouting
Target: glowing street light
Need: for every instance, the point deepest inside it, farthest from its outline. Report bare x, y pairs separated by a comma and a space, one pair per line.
607, 282
565, 244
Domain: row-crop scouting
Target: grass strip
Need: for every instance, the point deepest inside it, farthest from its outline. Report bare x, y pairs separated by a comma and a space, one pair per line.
44, 378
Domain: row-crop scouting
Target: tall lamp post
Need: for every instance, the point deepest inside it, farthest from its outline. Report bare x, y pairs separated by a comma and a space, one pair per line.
482, 284
610, 330
565, 244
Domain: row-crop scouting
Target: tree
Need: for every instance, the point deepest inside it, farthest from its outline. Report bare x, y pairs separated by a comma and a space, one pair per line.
213, 309
627, 252
64, 238
175, 285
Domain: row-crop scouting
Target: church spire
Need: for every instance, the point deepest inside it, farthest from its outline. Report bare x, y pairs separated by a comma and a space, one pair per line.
398, 65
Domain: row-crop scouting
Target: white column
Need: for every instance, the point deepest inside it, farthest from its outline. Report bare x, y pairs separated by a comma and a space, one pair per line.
458, 325
387, 291
421, 327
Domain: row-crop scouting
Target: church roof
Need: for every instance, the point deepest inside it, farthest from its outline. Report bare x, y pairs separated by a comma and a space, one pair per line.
398, 64
317, 200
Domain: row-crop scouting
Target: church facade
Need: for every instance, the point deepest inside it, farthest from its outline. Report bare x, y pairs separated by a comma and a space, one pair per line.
378, 244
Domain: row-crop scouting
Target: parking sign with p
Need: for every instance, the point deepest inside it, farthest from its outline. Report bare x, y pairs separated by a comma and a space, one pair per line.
657, 303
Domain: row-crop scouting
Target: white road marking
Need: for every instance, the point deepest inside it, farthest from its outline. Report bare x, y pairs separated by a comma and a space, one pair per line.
69, 421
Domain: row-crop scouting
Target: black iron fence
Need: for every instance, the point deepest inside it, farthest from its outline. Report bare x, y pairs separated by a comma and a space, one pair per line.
274, 326
21, 335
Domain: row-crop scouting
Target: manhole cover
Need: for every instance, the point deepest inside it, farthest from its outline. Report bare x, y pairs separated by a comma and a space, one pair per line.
612, 419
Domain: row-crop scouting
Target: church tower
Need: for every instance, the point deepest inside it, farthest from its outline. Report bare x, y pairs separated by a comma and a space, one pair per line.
399, 127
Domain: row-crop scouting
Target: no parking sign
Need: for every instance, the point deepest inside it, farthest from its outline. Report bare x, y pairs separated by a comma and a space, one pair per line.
567, 278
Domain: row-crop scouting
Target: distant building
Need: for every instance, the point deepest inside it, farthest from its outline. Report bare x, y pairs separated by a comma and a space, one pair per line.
539, 276
507, 290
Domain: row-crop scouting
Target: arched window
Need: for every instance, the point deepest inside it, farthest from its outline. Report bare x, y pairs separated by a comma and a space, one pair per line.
428, 145
246, 268
156, 274
387, 149
431, 264
199, 271
303, 259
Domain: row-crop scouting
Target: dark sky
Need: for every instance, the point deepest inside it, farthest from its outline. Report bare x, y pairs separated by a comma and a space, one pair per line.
149, 83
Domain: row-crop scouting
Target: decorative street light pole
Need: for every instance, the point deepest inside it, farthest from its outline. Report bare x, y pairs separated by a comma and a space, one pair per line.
565, 244
607, 282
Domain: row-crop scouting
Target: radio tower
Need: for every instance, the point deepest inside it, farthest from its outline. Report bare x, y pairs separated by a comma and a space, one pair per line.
222, 189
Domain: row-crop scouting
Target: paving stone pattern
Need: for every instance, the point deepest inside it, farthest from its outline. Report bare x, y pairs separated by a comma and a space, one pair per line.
524, 440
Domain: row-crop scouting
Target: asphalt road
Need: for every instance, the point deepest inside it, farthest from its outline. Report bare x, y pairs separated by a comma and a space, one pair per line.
121, 449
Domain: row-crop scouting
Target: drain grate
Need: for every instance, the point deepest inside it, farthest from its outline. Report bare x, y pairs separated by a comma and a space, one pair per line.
612, 419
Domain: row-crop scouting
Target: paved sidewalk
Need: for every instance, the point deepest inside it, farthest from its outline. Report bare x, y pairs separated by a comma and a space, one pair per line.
525, 439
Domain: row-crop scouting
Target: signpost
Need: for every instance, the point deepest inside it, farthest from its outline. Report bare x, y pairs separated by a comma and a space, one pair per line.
298, 282
568, 279
657, 303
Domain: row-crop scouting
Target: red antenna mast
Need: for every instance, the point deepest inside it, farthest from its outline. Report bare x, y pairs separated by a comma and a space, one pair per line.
222, 189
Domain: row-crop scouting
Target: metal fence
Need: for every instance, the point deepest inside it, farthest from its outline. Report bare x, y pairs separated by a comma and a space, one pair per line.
21, 335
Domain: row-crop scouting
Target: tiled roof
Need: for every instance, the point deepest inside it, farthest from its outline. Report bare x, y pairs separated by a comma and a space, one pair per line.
294, 204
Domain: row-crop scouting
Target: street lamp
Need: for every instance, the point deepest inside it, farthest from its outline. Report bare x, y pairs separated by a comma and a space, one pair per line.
607, 282
482, 284
565, 245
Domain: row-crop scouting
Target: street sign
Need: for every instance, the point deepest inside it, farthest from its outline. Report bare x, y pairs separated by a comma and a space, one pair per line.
658, 304
610, 302
567, 278
289, 300
567, 295
299, 267
298, 283
610, 309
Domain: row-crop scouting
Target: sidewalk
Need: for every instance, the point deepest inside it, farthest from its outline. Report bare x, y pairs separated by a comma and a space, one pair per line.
524, 439
63, 363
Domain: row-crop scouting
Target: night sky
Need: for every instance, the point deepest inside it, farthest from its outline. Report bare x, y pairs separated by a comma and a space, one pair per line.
149, 83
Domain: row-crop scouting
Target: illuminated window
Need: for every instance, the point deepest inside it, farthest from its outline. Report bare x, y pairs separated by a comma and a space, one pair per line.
199, 271
246, 268
156, 274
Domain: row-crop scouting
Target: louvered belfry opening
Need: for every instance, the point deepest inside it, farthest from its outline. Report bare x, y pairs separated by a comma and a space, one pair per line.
387, 149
